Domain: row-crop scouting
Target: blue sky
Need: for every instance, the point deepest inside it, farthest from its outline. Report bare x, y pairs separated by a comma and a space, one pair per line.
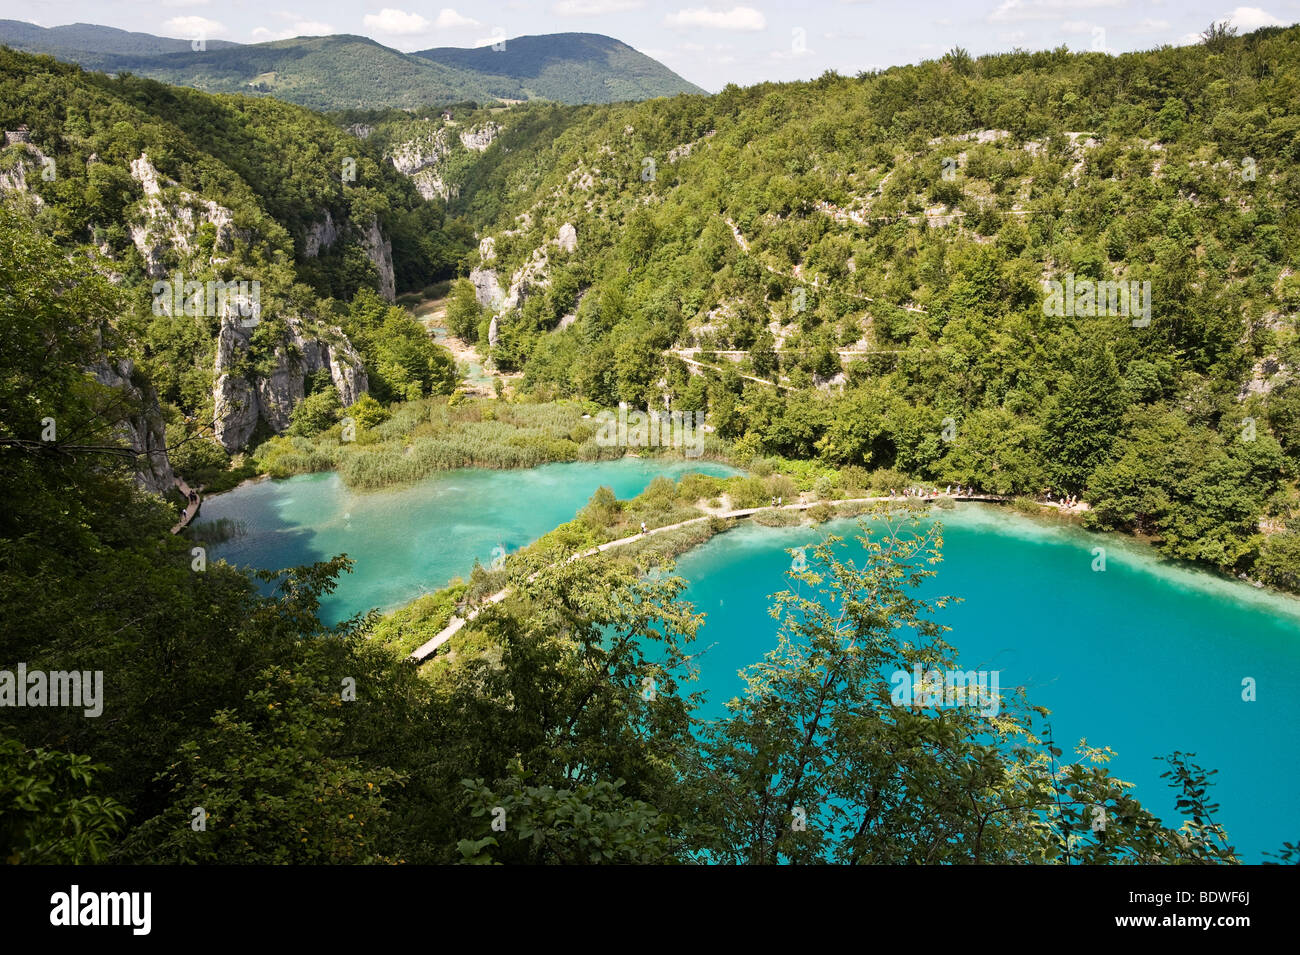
709, 43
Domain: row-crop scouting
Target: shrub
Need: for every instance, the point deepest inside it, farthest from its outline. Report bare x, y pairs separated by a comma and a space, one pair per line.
316, 412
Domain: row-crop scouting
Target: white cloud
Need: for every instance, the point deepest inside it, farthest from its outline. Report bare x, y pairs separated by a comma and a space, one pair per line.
1150, 25
737, 18
449, 19
396, 22
1013, 10
195, 27
1246, 19
594, 8
298, 28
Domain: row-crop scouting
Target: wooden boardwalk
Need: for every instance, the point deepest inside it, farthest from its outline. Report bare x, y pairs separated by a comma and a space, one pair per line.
191, 509
422, 653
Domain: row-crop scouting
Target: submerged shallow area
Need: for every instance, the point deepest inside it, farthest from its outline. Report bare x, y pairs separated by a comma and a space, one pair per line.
416, 538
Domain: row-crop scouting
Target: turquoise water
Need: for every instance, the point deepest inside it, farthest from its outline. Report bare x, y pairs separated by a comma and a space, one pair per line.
410, 540
1144, 658
1141, 657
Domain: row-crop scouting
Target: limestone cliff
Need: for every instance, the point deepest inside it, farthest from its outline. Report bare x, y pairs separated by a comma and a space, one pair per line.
142, 428
428, 156
243, 396
378, 248
165, 223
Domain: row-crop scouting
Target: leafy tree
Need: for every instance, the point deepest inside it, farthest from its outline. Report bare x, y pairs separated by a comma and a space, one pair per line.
316, 412
1079, 429
49, 813
463, 311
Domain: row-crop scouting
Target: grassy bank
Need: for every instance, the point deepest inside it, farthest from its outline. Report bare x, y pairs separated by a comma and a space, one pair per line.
419, 438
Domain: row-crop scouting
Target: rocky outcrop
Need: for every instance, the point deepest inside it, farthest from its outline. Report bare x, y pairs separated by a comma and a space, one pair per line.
324, 234
421, 159
529, 278
567, 239
163, 224
320, 235
143, 428
14, 179
487, 288
534, 274
380, 252
415, 154
1267, 374
480, 137
242, 400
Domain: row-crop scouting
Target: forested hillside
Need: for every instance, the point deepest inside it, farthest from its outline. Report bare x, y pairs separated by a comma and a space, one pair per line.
847, 274
167, 186
568, 68
355, 72
237, 728
877, 248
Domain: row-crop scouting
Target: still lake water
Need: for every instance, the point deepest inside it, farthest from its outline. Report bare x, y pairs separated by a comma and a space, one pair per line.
1144, 658
414, 539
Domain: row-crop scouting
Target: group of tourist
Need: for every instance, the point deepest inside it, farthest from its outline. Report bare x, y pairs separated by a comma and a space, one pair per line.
930, 494
1065, 500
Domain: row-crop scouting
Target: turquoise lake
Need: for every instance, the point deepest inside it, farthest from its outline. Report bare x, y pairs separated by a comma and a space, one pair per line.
1143, 657
414, 539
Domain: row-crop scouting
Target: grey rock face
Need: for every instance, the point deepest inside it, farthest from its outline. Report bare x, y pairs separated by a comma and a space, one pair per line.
321, 235
160, 226
480, 138
242, 402
233, 396
380, 251
487, 289
567, 239
143, 429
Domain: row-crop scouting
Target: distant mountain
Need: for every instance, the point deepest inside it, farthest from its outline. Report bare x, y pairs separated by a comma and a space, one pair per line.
569, 68
355, 72
91, 43
323, 73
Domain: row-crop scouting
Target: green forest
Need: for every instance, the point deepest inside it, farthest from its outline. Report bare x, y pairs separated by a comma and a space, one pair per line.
900, 264
846, 274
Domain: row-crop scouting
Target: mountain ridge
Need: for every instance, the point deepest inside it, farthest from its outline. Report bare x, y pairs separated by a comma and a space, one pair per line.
350, 71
